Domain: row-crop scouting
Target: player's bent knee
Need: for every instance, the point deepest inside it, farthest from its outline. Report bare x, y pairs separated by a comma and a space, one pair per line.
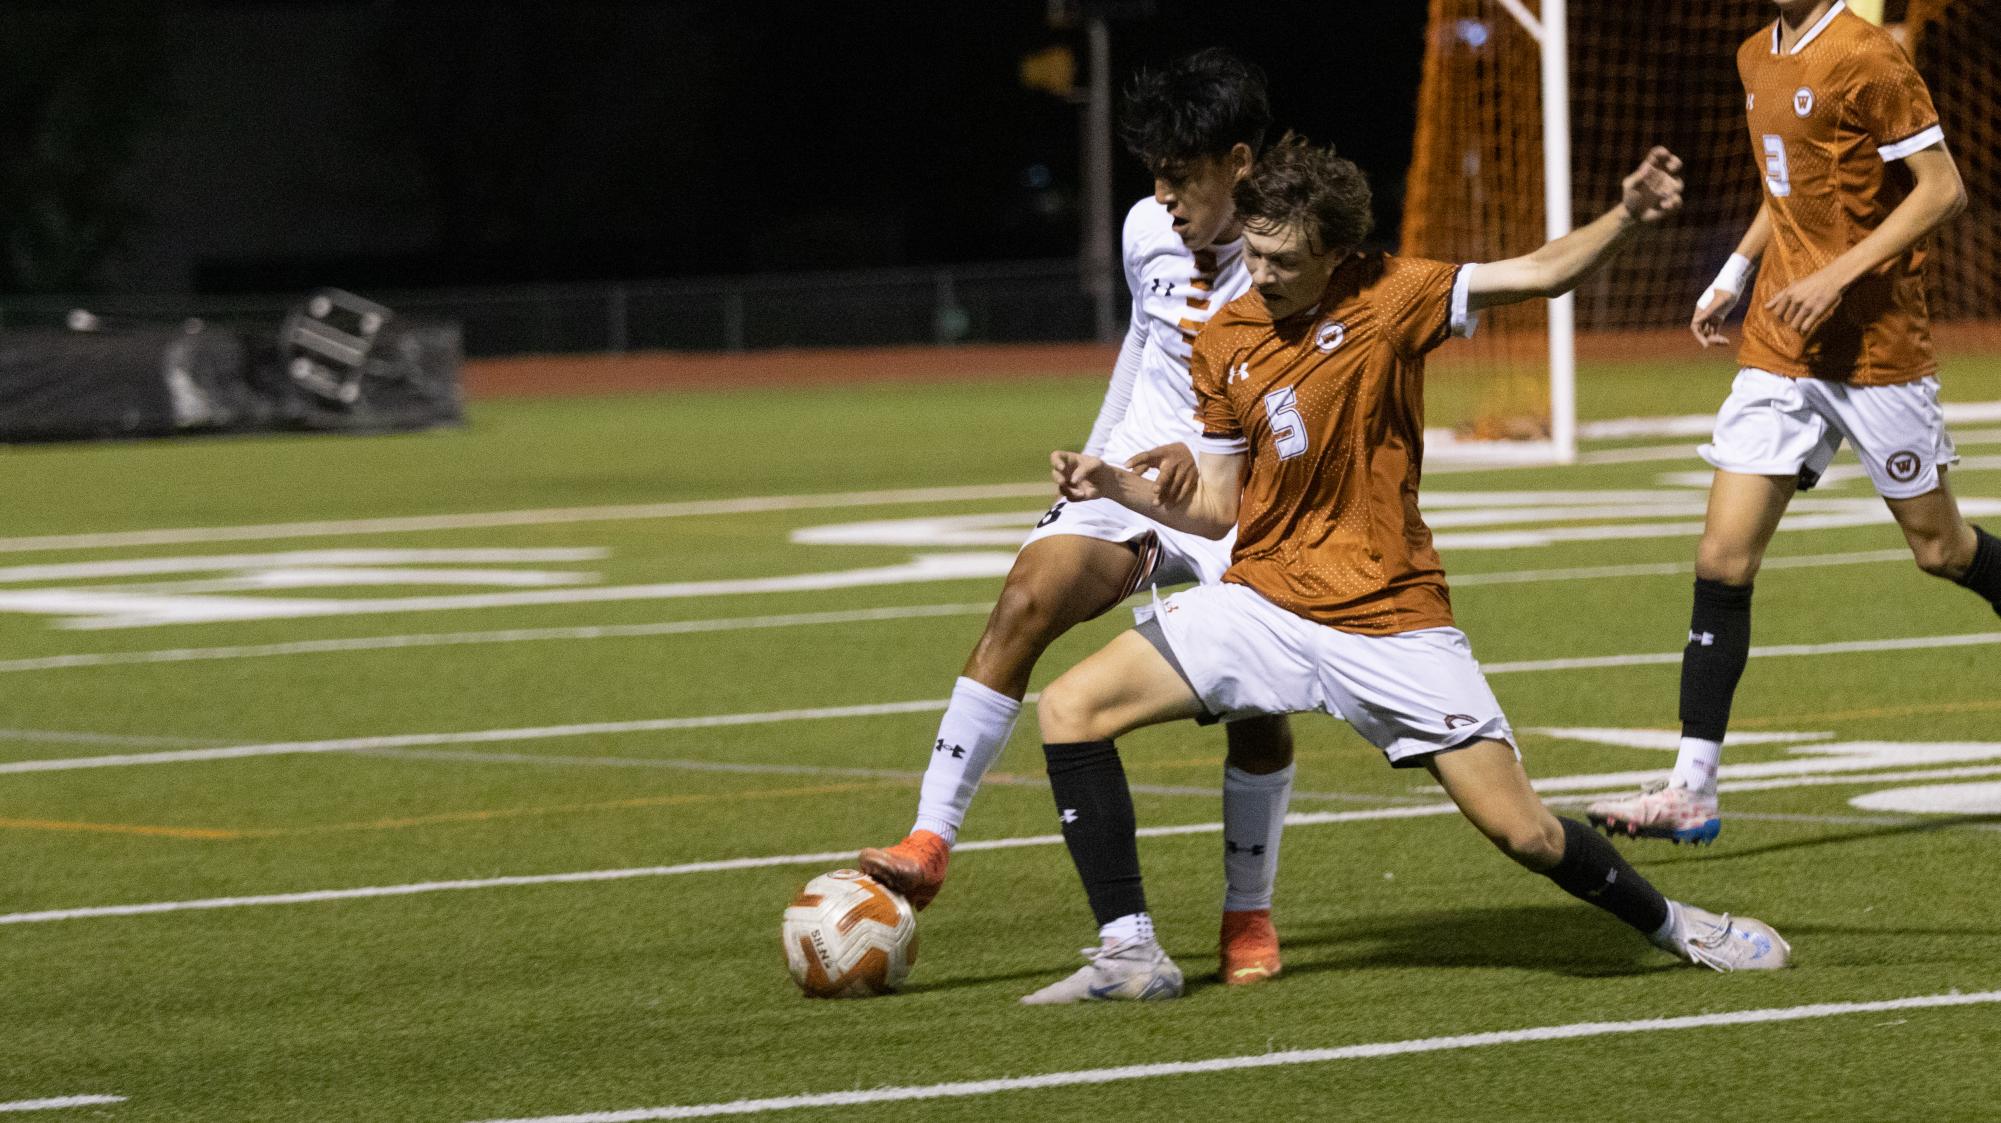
1067, 713
1533, 842
1726, 563
1934, 556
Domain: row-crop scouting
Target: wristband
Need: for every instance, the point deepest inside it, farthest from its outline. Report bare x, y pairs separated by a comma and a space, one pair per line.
1731, 278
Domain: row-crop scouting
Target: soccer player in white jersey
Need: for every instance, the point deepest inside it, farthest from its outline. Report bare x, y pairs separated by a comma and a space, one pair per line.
1197, 126
1837, 346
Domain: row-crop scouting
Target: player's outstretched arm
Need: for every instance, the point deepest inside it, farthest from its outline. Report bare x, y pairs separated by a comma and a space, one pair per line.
1724, 292
1210, 510
1649, 195
1937, 196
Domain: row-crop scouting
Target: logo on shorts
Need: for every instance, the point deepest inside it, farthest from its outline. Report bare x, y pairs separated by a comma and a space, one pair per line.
1330, 335
1803, 101
1903, 466
1454, 721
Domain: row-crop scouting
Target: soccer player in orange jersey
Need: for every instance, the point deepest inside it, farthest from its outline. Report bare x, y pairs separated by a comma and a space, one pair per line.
1310, 394
1837, 346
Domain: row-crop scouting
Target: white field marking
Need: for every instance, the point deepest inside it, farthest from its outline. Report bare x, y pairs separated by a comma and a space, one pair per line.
1854, 512
1667, 739
58, 1102
507, 635
470, 737
1774, 651
1839, 762
218, 563
785, 620
759, 768
1558, 784
1296, 819
78, 737
1371, 1051
1838, 476
929, 705
334, 577
1936, 799
92, 610
539, 517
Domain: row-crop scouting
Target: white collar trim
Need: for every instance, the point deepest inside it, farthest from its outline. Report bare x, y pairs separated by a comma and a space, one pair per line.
1819, 26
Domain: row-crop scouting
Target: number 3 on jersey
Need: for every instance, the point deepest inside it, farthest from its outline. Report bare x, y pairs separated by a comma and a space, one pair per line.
1288, 429
1778, 175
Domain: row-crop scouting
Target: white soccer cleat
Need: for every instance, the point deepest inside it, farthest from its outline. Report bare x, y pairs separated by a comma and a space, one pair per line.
1131, 970
1661, 810
1727, 943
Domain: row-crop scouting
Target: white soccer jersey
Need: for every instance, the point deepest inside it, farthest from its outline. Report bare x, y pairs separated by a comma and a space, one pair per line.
1151, 400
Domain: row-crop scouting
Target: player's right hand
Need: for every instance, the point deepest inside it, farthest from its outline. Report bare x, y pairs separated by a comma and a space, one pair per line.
1707, 323
1074, 474
1178, 475
1653, 191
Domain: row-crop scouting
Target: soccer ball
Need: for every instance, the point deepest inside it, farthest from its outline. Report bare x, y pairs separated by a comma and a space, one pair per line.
846, 936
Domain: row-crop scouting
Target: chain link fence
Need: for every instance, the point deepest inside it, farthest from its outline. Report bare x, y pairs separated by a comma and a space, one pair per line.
1012, 302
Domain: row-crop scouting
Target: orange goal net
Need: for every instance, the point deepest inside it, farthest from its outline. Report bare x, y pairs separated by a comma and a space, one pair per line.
1639, 75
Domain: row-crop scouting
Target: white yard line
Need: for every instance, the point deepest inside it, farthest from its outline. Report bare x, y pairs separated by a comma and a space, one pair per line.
797, 619
506, 635
1371, 1051
924, 705
548, 516
58, 1102
1297, 819
76, 737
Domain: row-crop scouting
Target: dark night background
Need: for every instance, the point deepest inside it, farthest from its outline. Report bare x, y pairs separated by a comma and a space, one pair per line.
269, 147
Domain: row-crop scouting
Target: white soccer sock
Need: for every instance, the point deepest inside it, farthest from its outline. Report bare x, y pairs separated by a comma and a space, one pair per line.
1695, 765
1664, 936
1131, 926
1253, 819
971, 735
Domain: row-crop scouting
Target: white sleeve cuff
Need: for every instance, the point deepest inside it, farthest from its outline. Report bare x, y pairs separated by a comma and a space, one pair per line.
1910, 144
1464, 321
1222, 446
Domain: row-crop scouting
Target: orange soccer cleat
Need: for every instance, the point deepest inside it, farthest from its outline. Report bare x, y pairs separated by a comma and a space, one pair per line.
914, 867
1249, 947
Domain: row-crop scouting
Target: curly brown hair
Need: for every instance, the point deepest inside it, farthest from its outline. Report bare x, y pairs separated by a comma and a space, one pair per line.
1298, 183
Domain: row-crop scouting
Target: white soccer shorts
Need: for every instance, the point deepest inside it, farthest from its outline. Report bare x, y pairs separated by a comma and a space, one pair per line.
1179, 558
1410, 694
1777, 426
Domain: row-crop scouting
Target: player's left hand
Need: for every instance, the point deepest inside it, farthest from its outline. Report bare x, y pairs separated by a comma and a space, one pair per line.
1653, 192
1806, 304
1177, 478
1075, 475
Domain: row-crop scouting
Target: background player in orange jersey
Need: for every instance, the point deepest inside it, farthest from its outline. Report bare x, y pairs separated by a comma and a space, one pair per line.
1196, 125
1837, 346
1310, 394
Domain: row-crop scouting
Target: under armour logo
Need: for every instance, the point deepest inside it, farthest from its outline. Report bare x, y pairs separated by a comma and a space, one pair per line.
1069, 815
1255, 849
1241, 372
1706, 639
958, 751
1611, 876
1160, 286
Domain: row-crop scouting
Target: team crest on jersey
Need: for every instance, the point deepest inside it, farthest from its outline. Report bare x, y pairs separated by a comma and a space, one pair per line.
1330, 336
1803, 101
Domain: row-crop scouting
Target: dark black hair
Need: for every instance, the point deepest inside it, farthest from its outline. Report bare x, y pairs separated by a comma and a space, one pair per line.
1201, 106
1297, 183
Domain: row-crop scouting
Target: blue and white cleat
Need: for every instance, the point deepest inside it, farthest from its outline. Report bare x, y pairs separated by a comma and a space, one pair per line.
1130, 970
1726, 943
1661, 810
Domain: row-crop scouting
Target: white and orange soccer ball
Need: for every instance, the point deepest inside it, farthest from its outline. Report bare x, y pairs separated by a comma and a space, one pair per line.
846, 936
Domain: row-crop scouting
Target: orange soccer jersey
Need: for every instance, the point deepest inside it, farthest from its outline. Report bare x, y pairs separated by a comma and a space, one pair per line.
1830, 119
1329, 407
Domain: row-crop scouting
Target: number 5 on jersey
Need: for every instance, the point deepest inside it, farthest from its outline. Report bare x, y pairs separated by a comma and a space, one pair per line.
1288, 429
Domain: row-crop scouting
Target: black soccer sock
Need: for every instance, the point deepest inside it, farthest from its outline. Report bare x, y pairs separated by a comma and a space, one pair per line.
1592, 871
1984, 575
1096, 810
1719, 644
